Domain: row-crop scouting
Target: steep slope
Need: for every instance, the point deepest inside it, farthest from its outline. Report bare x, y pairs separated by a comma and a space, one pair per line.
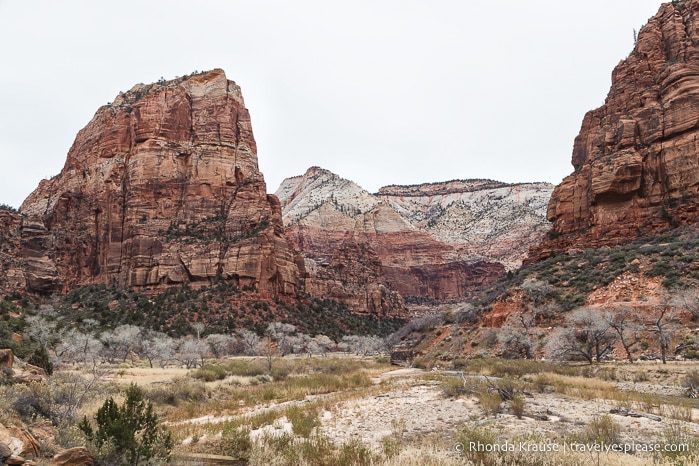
484, 220
323, 212
635, 159
11, 271
161, 187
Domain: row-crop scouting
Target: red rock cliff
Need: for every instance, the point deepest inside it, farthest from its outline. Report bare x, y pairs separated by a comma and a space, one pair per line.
359, 248
635, 159
161, 187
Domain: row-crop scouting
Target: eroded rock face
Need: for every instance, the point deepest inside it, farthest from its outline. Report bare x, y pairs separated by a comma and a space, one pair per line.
635, 159
20, 442
336, 225
11, 271
484, 220
77, 456
161, 187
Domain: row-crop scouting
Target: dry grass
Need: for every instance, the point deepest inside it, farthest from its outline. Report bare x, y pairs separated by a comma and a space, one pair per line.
241, 398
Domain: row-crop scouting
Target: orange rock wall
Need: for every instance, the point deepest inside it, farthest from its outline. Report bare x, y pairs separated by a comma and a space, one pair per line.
636, 157
161, 187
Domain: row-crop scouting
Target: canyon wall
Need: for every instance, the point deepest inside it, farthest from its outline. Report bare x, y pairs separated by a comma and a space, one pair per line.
161, 187
443, 241
636, 168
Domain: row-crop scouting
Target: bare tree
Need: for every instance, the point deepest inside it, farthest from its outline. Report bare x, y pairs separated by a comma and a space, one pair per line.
80, 347
687, 298
121, 341
269, 351
222, 345
250, 341
324, 344
191, 352
280, 333
664, 323
199, 327
156, 346
164, 347
516, 342
536, 291
623, 322
518, 338
588, 336
42, 331
363, 345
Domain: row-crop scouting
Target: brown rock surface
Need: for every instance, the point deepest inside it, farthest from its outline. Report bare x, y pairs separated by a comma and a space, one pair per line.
635, 159
6, 358
11, 272
161, 187
21, 442
338, 225
78, 456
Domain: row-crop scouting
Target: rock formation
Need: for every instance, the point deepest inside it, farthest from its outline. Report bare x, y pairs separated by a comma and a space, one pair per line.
440, 241
636, 157
484, 220
161, 187
11, 270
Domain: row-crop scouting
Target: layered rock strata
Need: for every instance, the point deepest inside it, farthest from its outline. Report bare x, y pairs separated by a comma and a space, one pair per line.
161, 187
636, 158
12, 277
438, 241
484, 220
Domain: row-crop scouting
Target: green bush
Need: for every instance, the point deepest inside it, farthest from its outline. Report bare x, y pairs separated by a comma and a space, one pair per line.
130, 432
209, 373
40, 358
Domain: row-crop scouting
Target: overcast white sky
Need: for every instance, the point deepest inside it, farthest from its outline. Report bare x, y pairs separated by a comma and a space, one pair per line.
380, 92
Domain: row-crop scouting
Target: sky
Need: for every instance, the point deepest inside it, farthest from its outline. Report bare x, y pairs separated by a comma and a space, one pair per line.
378, 91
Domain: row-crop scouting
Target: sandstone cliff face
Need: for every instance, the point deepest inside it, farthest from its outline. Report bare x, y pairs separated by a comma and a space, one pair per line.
635, 159
11, 272
483, 220
161, 187
325, 214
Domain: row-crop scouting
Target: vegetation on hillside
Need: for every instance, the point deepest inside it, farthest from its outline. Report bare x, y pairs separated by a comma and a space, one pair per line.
672, 255
221, 308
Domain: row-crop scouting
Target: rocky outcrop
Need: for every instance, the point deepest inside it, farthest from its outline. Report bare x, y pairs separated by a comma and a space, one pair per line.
20, 442
636, 157
11, 270
77, 456
484, 220
161, 187
336, 224
7, 358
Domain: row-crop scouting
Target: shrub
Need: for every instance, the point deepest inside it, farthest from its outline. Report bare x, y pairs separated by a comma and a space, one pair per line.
40, 358
490, 402
517, 403
602, 430
302, 421
691, 383
209, 373
478, 435
236, 442
355, 453
130, 431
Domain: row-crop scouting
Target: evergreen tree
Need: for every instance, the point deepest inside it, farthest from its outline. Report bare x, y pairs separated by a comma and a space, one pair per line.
131, 430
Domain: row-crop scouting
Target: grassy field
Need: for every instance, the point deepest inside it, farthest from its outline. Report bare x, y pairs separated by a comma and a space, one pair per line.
362, 411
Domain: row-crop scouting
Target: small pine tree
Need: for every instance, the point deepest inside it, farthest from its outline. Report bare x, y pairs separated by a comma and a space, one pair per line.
40, 358
131, 429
